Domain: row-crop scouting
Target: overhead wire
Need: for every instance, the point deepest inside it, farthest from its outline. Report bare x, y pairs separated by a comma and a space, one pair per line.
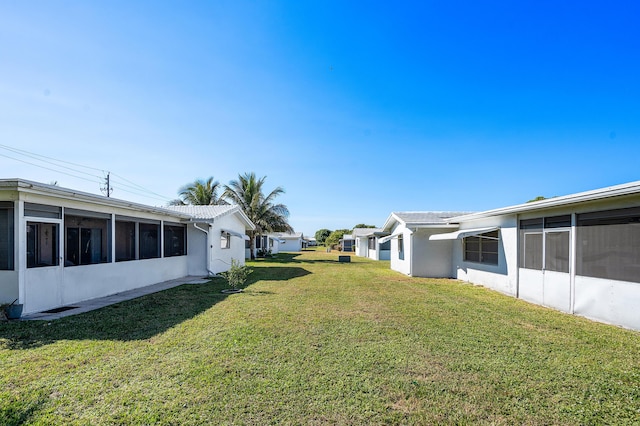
134, 188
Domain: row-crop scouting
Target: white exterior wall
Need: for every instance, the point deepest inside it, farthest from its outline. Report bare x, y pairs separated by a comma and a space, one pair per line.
197, 242
502, 277
398, 264
613, 302
220, 259
361, 246
430, 258
291, 244
50, 287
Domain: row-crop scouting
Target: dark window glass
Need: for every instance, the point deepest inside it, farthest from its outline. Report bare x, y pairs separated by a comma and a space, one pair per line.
42, 244
149, 241
372, 243
6, 237
225, 240
482, 248
125, 241
87, 240
543, 245
175, 240
400, 247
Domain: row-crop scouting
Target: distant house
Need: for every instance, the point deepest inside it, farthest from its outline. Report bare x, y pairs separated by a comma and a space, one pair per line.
347, 243
578, 253
367, 243
290, 241
59, 246
411, 252
265, 244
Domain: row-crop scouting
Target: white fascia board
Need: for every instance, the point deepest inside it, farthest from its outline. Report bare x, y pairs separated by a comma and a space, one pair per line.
458, 235
632, 188
30, 187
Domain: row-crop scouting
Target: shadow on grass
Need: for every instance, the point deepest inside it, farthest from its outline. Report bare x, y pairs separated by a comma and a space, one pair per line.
136, 319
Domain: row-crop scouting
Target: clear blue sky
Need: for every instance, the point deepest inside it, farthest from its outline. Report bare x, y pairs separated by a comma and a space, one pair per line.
357, 109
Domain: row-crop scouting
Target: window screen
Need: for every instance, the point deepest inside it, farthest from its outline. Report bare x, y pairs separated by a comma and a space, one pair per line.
42, 244
545, 243
175, 240
6, 236
149, 240
608, 245
482, 248
125, 241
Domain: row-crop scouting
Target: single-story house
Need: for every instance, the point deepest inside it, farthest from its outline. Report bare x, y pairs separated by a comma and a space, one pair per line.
290, 241
263, 244
367, 243
59, 246
347, 243
411, 252
218, 235
578, 253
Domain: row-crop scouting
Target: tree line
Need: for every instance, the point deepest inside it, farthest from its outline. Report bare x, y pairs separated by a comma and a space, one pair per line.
331, 238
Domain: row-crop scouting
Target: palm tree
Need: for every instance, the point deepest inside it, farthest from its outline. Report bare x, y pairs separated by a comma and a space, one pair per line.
246, 192
199, 193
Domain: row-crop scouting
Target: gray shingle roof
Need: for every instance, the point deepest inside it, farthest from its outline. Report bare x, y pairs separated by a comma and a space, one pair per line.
427, 218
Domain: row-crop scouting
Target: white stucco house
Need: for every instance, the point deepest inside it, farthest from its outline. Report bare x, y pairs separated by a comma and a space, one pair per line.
411, 252
289, 241
578, 253
218, 235
59, 246
367, 243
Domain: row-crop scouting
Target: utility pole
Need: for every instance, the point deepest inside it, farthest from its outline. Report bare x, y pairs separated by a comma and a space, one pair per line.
107, 188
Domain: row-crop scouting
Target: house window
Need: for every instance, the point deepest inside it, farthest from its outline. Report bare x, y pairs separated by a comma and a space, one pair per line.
175, 240
372, 243
401, 247
42, 244
87, 239
125, 240
608, 245
225, 240
6, 236
258, 242
149, 240
544, 243
482, 248
42, 210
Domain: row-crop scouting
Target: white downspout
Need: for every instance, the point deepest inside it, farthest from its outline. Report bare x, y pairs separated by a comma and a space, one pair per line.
208, 267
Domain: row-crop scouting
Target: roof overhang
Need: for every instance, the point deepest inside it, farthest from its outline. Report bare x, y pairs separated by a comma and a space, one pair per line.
458, 235
394, 235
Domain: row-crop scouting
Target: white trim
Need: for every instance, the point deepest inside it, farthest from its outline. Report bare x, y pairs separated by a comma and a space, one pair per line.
458, 235
236, 234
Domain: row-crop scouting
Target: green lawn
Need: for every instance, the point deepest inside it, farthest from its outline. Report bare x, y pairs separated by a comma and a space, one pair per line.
313, 341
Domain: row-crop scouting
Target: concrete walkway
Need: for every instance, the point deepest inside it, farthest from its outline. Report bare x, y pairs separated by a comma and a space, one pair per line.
90, 305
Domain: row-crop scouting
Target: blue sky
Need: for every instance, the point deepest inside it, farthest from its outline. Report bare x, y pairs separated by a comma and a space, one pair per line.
357, 109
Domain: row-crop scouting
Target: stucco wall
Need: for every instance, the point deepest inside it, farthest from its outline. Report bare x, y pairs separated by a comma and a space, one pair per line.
501, 277
397, 264
431, 258
291, 244
221, 258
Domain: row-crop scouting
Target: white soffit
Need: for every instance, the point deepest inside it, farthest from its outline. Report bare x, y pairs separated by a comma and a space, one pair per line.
236, 234
458, 235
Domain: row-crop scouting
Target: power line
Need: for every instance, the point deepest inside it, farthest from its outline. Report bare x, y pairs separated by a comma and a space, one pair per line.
136, 189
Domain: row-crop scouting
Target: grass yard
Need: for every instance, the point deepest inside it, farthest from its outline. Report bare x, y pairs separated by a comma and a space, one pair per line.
313, 341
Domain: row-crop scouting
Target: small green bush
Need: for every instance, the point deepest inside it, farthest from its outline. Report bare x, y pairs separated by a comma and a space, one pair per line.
237, 275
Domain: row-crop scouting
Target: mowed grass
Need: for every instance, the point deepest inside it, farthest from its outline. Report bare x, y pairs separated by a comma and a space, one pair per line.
314, 341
